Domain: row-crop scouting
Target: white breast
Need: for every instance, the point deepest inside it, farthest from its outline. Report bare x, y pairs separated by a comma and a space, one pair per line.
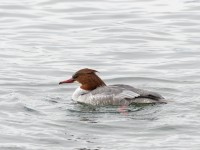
78, 92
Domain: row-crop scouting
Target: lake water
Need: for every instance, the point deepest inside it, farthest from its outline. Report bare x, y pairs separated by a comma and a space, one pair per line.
149, 44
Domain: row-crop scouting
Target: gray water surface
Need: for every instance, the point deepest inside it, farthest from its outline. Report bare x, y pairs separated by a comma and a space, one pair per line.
149, 44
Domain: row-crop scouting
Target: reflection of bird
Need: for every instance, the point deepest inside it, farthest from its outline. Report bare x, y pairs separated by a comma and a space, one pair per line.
95, 92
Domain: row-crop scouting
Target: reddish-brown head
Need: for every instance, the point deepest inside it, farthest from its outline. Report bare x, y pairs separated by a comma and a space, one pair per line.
87, 78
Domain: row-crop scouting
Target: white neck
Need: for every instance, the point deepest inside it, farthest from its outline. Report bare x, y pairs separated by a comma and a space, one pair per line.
78, 92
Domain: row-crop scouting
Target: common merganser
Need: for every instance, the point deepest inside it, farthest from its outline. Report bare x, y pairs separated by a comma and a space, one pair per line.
94, 91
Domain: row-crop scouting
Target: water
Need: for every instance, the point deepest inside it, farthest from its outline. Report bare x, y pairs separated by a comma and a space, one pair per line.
150, 44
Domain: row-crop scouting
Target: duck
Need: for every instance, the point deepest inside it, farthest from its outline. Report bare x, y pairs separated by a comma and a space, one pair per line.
93, 91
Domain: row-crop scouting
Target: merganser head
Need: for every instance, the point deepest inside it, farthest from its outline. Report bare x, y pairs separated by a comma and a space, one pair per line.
87, 78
